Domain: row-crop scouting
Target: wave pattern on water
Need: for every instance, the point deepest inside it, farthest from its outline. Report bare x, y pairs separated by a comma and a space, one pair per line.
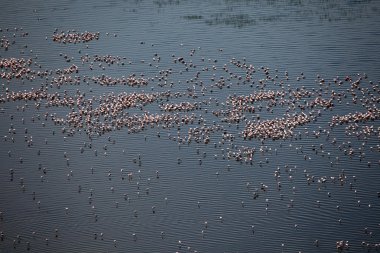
206, 126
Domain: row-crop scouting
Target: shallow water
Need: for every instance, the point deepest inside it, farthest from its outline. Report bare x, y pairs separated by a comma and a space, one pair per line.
196, 182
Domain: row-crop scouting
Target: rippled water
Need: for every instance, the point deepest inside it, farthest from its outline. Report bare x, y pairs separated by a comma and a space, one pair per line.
197, 182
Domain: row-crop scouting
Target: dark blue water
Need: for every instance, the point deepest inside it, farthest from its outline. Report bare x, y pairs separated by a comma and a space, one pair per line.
65, 188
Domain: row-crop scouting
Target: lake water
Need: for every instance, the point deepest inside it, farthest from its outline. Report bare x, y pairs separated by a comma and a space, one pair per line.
143, 186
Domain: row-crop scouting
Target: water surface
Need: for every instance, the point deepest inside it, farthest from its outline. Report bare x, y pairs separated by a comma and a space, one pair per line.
326, 195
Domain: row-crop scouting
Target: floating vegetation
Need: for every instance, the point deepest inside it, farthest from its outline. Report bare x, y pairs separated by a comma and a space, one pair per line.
277, 11
193, 17
236, 20
163, 3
